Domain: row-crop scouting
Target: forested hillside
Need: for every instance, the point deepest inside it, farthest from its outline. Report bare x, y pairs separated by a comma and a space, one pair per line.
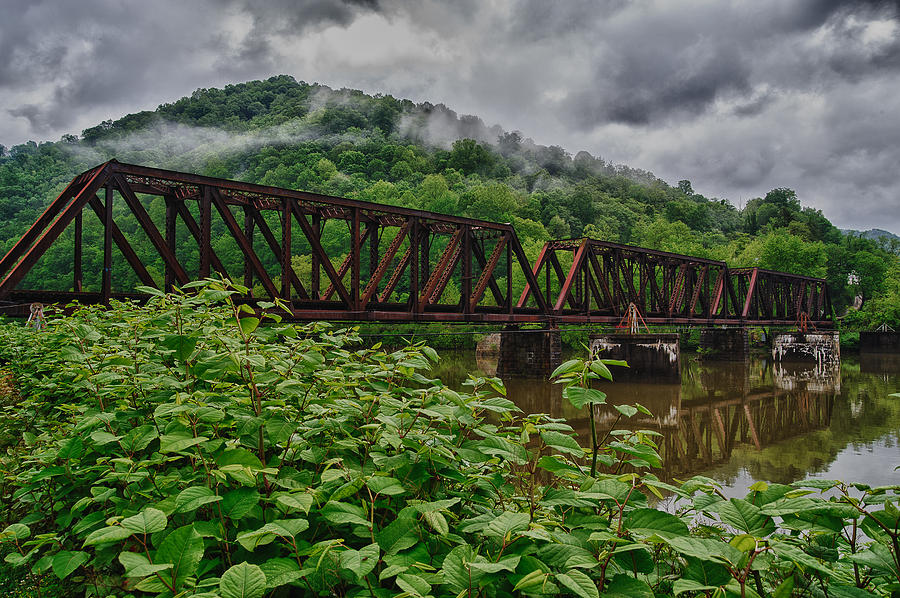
342, 142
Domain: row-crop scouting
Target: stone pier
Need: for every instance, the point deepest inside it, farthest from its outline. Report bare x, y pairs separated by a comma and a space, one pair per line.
822, 348
528, 353
650, 357
725, 344
879, 342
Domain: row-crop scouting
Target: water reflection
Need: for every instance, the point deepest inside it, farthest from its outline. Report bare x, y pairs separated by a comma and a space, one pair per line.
743, 421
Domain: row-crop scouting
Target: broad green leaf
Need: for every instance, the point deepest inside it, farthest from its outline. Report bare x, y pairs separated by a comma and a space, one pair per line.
413, 584
281, 571
139, 438
706, 573
191, 499
344, 513
505, 564
836, 591
65, 562
800, 558
578, 583
562, 442
148, 521
182, 345
456, 572
71, 448
237, 503
707, 549
507, 523
580, 396
745, 517
437, 522
398, 535
360, 562
279, 431
571, 365
599, 368
243, 581
689, 585
16, 531
174, 443
137, 565
101, 437
183, 548
878, 557
626, 410
625, 586
645, 523
112, 533
385, 485
300, 501
500, 447
248, 325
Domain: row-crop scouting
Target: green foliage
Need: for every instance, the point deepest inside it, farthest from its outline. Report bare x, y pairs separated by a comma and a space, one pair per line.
183, 449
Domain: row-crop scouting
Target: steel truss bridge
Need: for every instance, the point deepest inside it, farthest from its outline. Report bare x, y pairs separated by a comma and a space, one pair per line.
394, 264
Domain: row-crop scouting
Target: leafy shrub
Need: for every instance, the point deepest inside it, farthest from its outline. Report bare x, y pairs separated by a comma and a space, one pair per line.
181, 448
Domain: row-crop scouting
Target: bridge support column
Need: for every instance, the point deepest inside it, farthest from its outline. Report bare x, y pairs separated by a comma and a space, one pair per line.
725, 344
651, 357
821, 348
879, 342
529, 353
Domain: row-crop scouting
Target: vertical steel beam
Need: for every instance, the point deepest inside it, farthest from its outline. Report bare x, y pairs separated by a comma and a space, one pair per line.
416, 236
374, 238
170, 240
286, 226
77, 282
106, 285
466, 290
205, 241
355, 250
248, 233
315, 273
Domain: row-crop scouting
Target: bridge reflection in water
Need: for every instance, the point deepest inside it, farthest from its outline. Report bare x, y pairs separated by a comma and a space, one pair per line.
717, 408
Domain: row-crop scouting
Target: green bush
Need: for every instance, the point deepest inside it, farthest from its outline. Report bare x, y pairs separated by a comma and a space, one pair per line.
181, 448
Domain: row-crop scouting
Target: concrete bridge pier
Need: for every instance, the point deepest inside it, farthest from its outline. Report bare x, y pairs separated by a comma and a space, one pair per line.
725, 344
653, 357
822, 348
879, 341
529, 353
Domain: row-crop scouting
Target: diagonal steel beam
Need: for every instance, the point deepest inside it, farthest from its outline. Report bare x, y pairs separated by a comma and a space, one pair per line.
395, 276
487, 272
26, 252
348, 261
317, 249
133, 260
275, 248
244, 244
194, 229
150, 229
383, 265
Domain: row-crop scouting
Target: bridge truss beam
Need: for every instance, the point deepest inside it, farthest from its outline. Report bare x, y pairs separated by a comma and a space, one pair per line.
393, 263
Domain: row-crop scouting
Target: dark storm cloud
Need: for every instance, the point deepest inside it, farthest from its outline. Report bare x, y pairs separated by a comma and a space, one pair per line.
739, 96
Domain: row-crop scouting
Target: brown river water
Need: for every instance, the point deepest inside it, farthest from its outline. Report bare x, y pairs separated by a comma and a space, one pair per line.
742, 422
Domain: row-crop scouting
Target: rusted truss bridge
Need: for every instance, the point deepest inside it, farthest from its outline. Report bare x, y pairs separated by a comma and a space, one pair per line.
365, 261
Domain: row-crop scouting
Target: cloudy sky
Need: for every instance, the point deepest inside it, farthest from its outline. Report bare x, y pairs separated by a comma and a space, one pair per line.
737, 96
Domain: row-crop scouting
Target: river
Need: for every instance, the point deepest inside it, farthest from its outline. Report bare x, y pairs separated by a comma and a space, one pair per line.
738, 423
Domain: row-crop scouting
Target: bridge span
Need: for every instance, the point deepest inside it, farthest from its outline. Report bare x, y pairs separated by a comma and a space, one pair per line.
365, 261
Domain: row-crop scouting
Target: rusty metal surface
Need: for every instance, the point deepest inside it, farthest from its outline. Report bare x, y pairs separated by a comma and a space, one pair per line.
401, 264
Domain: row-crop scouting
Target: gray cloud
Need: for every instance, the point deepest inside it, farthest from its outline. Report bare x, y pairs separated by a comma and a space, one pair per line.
739, 96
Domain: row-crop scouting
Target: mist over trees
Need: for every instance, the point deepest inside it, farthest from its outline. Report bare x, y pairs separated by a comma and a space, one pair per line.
286, 133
